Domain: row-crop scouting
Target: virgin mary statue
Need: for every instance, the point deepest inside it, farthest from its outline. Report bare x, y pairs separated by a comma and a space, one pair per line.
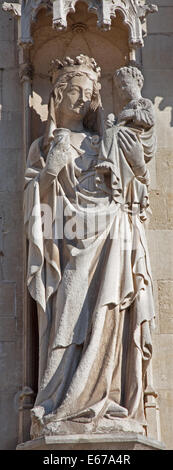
88, 264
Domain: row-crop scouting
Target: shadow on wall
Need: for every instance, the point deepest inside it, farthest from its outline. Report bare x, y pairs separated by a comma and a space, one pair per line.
165, 103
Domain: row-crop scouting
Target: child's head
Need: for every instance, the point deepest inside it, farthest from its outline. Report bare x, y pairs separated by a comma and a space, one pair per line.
129, 82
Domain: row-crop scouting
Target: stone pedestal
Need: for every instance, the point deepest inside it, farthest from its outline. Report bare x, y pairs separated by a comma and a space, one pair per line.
118, 441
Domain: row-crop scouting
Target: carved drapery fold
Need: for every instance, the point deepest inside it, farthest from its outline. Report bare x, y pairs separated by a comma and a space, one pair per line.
132, 11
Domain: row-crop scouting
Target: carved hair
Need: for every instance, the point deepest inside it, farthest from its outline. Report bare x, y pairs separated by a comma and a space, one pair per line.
131, 71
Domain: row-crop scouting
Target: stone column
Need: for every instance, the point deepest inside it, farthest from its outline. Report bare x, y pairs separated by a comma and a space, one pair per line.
27, 394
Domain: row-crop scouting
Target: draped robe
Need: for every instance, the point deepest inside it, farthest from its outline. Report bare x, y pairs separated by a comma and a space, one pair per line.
92, 284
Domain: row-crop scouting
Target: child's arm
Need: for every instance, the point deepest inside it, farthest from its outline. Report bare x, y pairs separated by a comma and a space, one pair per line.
126, 115
144, 114
141, 114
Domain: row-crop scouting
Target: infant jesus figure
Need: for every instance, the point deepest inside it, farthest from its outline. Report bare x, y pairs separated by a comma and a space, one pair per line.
135, 120
136, 112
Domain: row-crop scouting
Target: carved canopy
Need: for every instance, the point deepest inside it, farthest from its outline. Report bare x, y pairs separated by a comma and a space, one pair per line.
133, 13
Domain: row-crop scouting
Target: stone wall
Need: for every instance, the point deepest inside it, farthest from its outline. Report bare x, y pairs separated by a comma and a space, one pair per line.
157, 62
11, 233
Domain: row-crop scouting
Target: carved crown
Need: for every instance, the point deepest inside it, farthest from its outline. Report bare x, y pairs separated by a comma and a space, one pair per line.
81, 64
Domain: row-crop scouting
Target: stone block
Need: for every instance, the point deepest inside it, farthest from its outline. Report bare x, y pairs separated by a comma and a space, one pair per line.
8, 328
165, 296
11, 175
164, 169
160, 244
8, 56
9, 420
6, 26
10, 365
164, 123
10, 82
152, 169
128, 441
162, 362
11, 211
154, 85
161, 3
156, 305
169, 205
157, 53
11, 130
158, 205
166, 415
13, 256
161, 22
8, 299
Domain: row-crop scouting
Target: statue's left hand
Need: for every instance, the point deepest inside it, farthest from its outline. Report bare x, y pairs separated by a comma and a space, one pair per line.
133, 150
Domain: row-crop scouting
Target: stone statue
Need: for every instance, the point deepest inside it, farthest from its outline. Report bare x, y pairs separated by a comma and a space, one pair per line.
88, 267
136, 112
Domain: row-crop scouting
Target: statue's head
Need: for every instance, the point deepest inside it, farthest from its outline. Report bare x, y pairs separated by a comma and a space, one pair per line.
76, 91
129, 82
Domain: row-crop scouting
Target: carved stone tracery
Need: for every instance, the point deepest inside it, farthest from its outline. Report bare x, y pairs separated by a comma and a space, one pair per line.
132, 11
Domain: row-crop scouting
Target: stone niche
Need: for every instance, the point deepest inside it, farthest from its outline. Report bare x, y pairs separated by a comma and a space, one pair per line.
109, 48
111, 51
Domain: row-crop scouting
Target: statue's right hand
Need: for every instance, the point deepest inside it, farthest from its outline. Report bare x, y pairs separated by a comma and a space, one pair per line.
56, 159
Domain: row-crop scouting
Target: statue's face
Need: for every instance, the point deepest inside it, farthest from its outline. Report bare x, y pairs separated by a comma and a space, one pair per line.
77, 97
127, 88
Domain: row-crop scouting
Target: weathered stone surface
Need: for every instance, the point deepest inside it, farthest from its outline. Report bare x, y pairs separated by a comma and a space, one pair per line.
11, 209
155, 84
162, 362
11, 373
8, 298
9, 420
8, 328
66, 125
159, 219
120, 441
11, 164
157, 67
6, 27
105, 10
166, 416
12, 138
13, 256
157, 53
161, 23
164, 168
169, 204
164, 122
161, 253
11, 101
164, 4
156, 305
7, 58
152, 170
165, 296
